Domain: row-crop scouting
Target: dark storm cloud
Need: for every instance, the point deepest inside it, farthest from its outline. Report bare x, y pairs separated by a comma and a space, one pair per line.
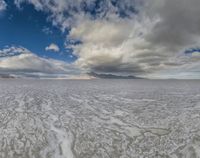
179, 23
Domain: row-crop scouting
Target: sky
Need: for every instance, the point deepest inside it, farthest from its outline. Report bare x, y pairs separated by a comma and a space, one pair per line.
156, 39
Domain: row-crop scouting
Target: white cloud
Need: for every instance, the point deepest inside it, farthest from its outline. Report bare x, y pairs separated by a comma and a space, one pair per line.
22, 61
139, 37
3, 5
116, 46
47, 30
64, 12
52, 47
143, 45
12, 51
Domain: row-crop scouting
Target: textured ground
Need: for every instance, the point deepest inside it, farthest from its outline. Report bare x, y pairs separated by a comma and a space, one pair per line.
99, 119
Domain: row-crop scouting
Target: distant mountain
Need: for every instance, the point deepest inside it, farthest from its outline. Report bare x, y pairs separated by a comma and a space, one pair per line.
6, 76
111, 76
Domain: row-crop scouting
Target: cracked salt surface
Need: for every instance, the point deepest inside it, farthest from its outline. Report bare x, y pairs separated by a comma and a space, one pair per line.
99, 119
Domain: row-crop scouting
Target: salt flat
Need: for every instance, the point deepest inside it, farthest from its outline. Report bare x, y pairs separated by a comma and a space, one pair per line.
99, 119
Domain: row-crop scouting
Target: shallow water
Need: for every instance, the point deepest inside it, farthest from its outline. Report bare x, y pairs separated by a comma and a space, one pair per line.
99, 119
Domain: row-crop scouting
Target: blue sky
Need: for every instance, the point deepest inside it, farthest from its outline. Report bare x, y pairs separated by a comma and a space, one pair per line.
26, 27
75, 38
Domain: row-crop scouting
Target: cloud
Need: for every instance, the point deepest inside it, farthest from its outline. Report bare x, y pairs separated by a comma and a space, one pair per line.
144, 38
116, 46
13, 51
19, 60
3, 5
63, 12
47, 30
52, 47
178, 25
146, 44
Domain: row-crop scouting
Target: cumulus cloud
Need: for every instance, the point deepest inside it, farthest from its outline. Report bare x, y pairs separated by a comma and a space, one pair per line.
52, 47
64, 12
12, 51
139, 37
117, 46
20, 60
3, 5
152, 41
